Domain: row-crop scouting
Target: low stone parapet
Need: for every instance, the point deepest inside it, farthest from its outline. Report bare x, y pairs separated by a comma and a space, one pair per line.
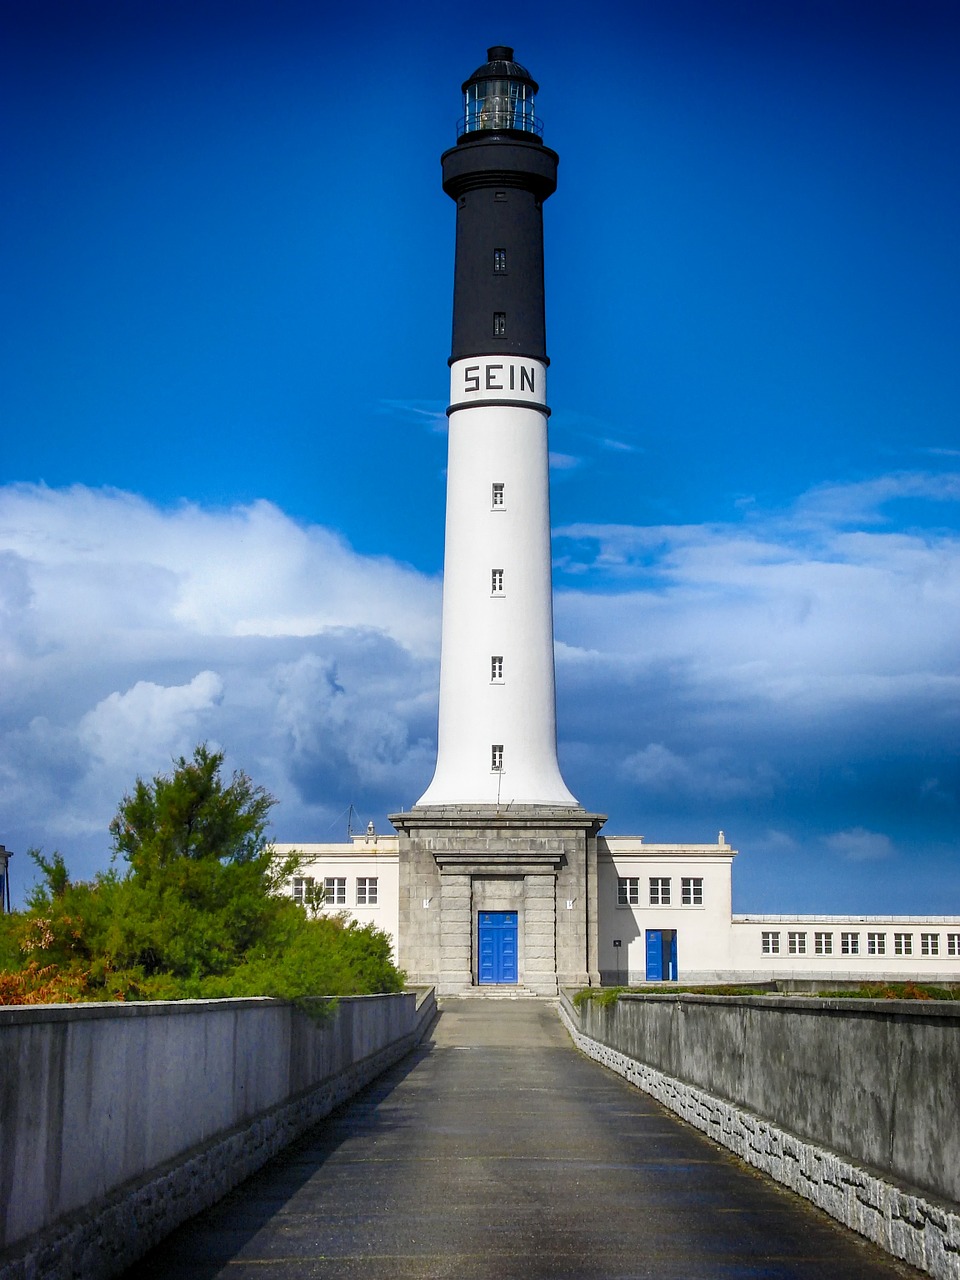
835, 1099
120, 1121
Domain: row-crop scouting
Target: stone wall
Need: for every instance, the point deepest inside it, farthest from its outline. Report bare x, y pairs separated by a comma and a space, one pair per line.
850, 1103
118, 1122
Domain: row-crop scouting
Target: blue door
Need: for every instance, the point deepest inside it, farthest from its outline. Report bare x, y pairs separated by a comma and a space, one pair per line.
654, 955
497, 946
661, 955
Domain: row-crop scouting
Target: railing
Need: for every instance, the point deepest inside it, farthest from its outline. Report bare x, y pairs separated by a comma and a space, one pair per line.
491, 119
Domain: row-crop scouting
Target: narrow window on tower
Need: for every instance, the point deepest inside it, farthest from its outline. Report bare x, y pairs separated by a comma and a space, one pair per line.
499, 195
496, 757
496, 667
496, 582
499, 262
499, 324
496, 497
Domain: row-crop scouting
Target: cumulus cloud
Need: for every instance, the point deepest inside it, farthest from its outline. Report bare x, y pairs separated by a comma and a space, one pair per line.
794, 671
790, 676
133, 727
131, 632
807, 618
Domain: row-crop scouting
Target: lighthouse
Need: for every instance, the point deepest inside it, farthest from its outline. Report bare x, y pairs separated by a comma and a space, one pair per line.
497, 725
498, 858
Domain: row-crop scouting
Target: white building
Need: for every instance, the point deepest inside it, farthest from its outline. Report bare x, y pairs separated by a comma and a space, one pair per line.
664, 913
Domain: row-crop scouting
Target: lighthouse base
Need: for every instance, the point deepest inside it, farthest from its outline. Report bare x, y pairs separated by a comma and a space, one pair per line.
497, 898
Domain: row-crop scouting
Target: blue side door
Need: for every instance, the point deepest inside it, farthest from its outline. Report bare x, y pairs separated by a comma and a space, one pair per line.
654, 955
662, 955
497, 946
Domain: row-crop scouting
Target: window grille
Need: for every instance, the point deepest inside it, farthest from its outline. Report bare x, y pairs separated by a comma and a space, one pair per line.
659, 891
335, 891
628, 891
367, 891
691, 891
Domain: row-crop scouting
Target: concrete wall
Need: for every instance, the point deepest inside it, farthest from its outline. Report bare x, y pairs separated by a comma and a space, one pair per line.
852, 1103
119, 1121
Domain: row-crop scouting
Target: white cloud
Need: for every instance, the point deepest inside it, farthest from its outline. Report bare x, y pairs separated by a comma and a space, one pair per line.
772, 609
864, 502
860, 845
564, 461
134, 727
779, 673
793, 671
704, 774
130, 633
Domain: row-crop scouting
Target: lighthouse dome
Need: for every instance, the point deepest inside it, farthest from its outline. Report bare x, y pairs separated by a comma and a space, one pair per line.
500, 65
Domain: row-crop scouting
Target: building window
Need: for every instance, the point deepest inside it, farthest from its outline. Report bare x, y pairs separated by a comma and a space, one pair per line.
876, 944
500, 195
496, 496
929, 944
302, 887
797, 944
366, 891
499, 324
691, 891
659, 891
628, 891
903, 944
496, 667
953, 944
496, 757
500, 261
335, 891
770, 943
850, 944
496, 582
823, 944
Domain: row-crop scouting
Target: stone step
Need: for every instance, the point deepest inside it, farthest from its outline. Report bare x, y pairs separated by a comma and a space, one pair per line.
498, 991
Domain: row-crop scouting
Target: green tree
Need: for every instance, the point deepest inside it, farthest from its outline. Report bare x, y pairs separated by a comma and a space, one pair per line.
192, 814
197, 910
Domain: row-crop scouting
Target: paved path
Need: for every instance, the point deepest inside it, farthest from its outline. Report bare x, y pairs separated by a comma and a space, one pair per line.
498, 1151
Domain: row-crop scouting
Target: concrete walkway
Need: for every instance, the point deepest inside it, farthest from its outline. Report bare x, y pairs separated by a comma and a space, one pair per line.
499, 1151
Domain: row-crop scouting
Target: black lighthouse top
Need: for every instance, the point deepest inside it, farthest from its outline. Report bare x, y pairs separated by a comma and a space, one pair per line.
499, 173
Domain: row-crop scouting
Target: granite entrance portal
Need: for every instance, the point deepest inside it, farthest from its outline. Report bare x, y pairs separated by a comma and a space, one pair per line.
536, 862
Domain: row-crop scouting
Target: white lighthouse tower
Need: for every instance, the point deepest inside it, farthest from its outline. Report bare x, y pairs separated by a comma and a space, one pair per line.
497, 858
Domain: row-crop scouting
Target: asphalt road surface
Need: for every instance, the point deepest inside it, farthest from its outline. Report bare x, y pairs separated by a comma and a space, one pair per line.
497, 1151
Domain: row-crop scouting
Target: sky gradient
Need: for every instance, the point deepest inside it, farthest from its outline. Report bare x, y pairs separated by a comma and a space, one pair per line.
226, 316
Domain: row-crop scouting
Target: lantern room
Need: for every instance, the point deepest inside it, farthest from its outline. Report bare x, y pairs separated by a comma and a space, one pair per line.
499, 97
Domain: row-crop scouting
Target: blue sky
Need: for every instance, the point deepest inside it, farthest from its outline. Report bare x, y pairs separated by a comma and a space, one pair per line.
226, 316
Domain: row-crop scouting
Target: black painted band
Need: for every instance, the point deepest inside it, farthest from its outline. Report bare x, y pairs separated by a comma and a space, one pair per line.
509, 404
